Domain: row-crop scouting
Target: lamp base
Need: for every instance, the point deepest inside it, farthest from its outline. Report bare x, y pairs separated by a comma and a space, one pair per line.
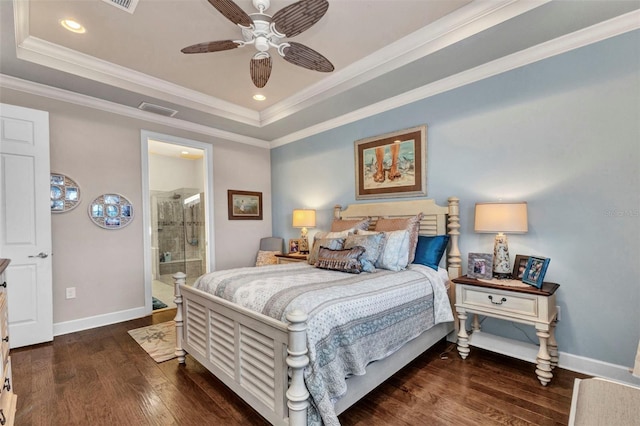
501, 264
304, 245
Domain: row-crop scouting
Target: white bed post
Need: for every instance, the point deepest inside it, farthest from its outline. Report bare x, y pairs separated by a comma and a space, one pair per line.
297, 360
179, 278
454, 261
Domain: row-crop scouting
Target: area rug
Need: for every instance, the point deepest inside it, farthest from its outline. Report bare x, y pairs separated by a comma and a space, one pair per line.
158, 340
157, 303
598, 401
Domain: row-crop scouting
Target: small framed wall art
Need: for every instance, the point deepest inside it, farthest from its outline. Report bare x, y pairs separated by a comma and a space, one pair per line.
111, 211
535, 271
480, 266
244, 205
65, 193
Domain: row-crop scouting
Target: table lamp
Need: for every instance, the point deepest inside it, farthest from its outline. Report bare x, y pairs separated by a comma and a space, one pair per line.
501, 218
304, 218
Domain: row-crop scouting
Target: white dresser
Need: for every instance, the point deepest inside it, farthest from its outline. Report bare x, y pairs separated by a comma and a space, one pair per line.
8, 399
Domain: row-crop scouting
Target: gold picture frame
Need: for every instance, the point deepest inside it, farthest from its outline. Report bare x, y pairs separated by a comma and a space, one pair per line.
392, 165
294, 246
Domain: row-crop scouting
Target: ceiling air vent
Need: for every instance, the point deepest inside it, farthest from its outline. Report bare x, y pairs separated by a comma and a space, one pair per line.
128, 5
157, 109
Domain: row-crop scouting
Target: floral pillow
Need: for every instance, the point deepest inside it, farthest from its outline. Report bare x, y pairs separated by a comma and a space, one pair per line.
373, 245
395, 254
267, 257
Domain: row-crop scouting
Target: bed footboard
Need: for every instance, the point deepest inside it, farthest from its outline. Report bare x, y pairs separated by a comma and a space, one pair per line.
248, 352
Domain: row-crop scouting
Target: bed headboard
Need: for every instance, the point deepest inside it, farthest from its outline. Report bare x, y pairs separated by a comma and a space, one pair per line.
436, 220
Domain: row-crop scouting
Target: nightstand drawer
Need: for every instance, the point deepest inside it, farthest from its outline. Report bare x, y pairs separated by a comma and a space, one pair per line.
496, 301
8, 399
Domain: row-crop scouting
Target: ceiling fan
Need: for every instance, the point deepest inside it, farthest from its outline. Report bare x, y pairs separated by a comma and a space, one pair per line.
266, 31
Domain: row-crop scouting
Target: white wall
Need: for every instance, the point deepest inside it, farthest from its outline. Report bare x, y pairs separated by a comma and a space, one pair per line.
170, 173
101, 151
562, 134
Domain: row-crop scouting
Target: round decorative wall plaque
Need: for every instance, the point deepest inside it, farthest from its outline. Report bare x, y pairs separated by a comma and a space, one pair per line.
111, 211
65, 193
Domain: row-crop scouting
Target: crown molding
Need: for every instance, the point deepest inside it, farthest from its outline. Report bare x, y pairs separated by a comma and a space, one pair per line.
584, 37
13, 83
463, 23
58, 57
469, 20
64, 59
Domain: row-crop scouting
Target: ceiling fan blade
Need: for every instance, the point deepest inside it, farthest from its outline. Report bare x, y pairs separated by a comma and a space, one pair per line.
232, 12
211, 46
303, 56
260, 69
299, 17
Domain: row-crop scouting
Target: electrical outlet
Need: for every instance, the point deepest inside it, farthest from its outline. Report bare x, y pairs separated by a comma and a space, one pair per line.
558, 313
71, 292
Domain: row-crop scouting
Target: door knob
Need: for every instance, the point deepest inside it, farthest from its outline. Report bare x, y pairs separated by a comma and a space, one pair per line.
41, 255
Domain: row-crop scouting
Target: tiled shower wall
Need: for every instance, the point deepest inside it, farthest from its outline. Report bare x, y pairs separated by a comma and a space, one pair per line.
180, 232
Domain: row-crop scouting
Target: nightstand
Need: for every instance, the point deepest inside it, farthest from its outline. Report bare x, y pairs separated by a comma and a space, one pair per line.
291, 258
527, 305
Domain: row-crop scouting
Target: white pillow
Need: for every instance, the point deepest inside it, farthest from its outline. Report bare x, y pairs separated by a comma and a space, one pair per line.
395, 254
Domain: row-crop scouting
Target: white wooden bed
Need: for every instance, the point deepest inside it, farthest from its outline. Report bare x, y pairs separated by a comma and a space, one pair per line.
262, 359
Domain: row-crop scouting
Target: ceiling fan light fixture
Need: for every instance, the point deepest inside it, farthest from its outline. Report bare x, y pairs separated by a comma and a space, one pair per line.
262, 44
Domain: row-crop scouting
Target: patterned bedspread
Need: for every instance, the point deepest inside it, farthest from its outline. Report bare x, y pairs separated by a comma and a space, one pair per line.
354, 319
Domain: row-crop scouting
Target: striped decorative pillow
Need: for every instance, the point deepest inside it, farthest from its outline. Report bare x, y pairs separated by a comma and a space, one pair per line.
347, 260
331, 243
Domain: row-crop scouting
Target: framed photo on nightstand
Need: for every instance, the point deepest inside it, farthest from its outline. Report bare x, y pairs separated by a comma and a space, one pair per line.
294, 246
519, 266
535, 271
480, 266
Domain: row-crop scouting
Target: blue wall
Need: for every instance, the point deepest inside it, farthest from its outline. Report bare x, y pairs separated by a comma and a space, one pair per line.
562, 134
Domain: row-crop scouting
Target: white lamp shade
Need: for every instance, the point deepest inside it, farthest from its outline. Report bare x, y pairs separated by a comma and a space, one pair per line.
501, 217
304, 218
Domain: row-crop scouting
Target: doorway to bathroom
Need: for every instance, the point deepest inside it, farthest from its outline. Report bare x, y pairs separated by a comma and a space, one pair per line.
177, 215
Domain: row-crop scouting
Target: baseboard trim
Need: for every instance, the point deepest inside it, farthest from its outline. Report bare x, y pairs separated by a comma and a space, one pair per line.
528, 352
67, 327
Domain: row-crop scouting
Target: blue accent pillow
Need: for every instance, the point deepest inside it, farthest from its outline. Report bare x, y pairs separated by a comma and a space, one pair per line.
429, 250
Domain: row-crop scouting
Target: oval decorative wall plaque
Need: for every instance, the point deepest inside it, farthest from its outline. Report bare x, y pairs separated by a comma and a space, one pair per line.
65, 193
111, 211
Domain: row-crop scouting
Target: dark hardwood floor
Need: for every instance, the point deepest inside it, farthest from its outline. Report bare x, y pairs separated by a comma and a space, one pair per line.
101, 376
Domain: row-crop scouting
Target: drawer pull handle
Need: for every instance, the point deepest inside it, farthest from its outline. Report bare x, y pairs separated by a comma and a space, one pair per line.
497, 303
4, 284
3, 419
7, 384
5, 339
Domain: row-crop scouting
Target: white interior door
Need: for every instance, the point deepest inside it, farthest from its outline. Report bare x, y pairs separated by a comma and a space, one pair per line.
25, 223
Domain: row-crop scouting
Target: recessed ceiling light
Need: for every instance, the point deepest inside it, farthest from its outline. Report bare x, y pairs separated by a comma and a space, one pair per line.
185, 152
73, 26
259, 97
